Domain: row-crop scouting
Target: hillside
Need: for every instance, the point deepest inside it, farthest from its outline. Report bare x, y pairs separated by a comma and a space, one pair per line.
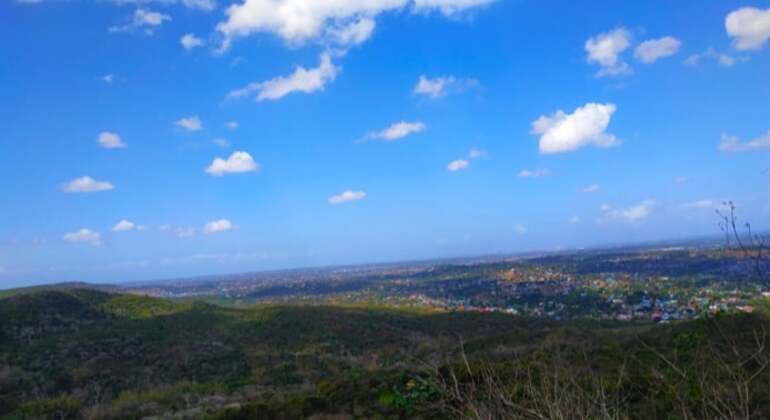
76, 352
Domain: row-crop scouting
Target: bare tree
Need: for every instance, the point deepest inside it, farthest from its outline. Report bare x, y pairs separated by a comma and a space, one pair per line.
751, 245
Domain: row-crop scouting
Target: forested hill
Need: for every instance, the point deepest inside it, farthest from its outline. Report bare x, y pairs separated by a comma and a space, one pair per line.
80, 353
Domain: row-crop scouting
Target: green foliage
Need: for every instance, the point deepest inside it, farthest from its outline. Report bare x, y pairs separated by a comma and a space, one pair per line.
63, 407
77, 353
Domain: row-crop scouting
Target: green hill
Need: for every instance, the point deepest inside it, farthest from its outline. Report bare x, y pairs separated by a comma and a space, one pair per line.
74, 352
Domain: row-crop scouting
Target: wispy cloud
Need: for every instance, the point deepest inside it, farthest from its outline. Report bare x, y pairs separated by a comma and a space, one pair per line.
110, 140
302, 80
536, 173
440, 86
143, 20
84, 236
218, 226
630, 214
731, 144
192, 123
397, 131
346, 197
457, 165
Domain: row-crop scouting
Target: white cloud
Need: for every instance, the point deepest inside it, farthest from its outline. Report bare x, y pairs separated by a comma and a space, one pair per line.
706, 204
232, 125
722, 59
110, 140
653, 50
221, 142
179, 232
190, 123
449, 7
238, 162
354, 33
634, 213
563, 132
520, 229
439, 86
457, 165
217, 226
537, 173
190, 41
749, 27
300, 21
302, 80
205, 5
347, 196
143, 19
591, 189
476, 153
124, 226
605, 49
397, 131
575, 220
86, 184
84, 236
732, 144
108, 78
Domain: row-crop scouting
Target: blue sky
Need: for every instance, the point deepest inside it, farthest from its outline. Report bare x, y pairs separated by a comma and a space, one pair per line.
145, 139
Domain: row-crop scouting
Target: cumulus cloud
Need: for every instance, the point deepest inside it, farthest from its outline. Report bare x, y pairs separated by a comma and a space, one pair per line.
634, 213
84, 236
653, 50
302, 80
724, 60
124, 226
143, 19
110, 140
327, 21
537, 173
238, 162
439, 86
86, 184
217, 226
190, 123
190, 41
457, 165
561, 132
605, 50
591, 189
397, 131
749, 27
347, 196
731, 144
